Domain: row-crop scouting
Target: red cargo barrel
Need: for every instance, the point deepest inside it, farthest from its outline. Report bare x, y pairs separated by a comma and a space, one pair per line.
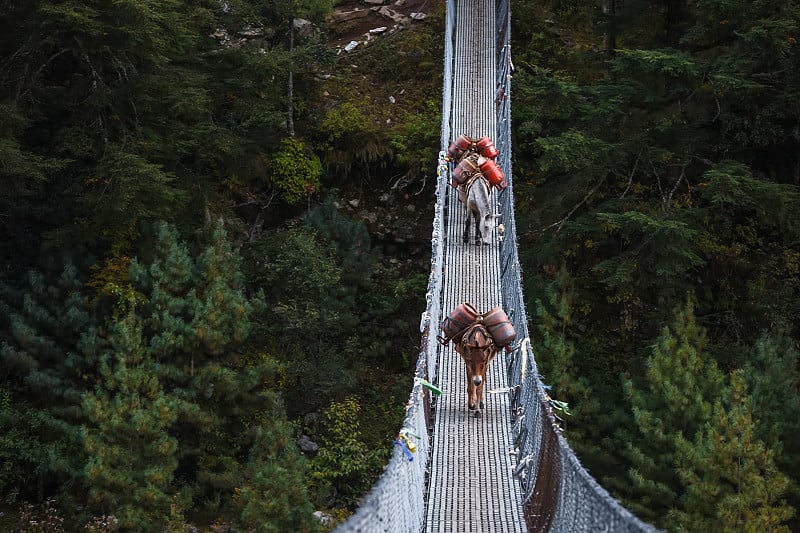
459, 147
464, 142
500, 327
486, 147
456, 322
493, 173
454, 152
464, 170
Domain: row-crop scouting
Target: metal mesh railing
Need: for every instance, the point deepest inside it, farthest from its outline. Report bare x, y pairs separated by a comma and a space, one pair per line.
560, 495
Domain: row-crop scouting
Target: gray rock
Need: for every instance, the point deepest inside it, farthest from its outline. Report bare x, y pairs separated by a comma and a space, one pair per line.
307, 445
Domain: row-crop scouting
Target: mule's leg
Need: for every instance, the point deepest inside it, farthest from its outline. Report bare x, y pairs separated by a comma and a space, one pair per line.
466, 227
471, 401
477, 390
478, 239
480, 391
474, 406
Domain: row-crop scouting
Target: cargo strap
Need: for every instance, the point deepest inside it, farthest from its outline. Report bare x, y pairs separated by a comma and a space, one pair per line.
444, 340
479, 321
478, 175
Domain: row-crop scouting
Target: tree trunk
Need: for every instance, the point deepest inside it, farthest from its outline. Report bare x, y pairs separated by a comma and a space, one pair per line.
290, 89
674, 9
609, 37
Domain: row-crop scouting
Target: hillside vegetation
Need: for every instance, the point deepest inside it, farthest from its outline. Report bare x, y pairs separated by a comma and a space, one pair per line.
214, 243
656, 173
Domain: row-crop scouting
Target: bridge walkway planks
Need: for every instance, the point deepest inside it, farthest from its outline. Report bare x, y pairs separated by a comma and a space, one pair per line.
471, 486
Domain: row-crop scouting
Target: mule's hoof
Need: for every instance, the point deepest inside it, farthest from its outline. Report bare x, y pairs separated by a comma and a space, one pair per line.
477, 413
481, 405
486, 244
471, 406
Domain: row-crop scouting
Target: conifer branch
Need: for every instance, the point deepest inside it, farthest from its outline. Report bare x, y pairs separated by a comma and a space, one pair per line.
6, 65
577, 206
49, 60
630, 177
677, 184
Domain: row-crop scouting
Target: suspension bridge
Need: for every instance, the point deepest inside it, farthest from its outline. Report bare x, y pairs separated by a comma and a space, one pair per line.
509, 470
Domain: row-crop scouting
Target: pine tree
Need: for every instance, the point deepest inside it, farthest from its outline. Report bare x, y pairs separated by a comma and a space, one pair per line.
303, 287
732, 483
555, 351
196, 323
773, 375
24, 174
135, 106
676, 401
273, 494
46, 369
220, 313
132, 456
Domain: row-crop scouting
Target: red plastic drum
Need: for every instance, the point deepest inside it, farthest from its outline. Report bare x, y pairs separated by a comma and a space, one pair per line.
456, 322
486, 147
493, 173
500, 327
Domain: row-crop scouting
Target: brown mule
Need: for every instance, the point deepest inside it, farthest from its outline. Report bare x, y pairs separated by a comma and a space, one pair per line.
477, 349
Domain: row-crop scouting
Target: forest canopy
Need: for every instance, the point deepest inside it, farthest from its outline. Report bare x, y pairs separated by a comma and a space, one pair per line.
657, 173
188, 299
173, 221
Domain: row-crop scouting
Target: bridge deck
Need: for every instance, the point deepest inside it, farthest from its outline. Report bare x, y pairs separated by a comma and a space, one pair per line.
471, 486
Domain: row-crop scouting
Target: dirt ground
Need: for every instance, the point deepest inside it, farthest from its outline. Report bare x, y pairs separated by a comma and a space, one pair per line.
353, 20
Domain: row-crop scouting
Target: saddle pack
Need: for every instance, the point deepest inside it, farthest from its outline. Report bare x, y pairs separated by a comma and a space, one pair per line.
464, 315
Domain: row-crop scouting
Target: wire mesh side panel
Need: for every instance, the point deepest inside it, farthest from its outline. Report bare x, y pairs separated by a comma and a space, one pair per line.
397, 501
560, 495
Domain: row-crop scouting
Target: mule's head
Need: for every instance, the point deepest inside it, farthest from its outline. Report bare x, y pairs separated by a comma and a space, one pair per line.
477, 350
488, 222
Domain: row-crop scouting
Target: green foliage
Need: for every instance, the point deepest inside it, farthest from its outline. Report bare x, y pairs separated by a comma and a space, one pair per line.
23, 171
730, 476
132, 456
731, 187
773, 375
296, 171
274, 497
555, 352
667, 167
377, 117
349, 238
344, 463
571, 151
416, 139
115, 116
665, 62
340, 122
325, 277
314, 10
126, 188
46, 368
196, 319
656, 247
303, 290
22, 454
676, 400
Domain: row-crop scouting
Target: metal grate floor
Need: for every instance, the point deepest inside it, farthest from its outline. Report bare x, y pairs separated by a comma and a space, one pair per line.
471, 484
